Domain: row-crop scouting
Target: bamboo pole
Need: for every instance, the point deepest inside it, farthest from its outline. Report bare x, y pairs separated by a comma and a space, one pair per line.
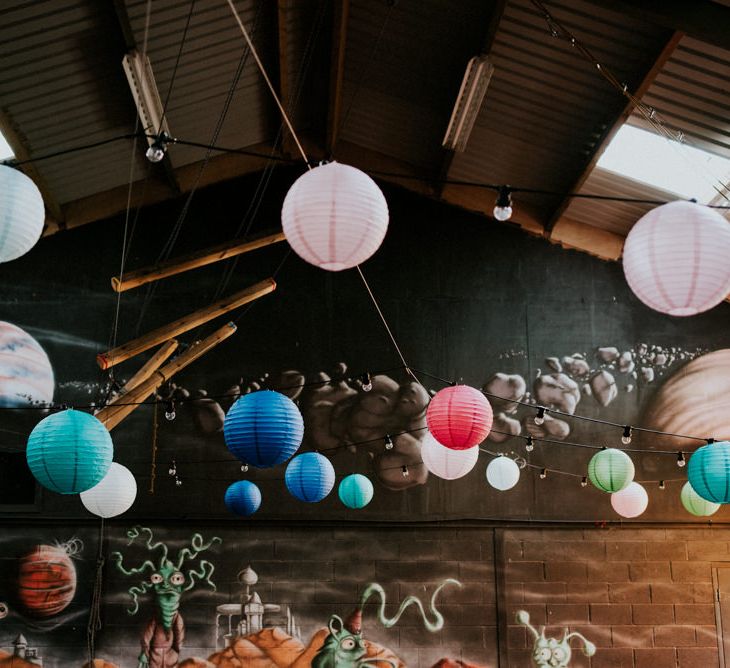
175, 266
151, 365
112, 414
184, 324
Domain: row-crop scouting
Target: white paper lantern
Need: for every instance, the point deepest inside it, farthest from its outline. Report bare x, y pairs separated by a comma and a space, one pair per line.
503, 473
22, 214
677, 258
114, 495
334, 216
630, 501
445, 462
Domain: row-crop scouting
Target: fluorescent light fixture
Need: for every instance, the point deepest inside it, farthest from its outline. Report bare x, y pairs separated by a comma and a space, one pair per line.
666, 164
142, 83
468, 103
5, 150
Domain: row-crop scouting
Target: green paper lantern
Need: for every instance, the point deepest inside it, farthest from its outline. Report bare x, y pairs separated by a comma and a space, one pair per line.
611, 470
694, 504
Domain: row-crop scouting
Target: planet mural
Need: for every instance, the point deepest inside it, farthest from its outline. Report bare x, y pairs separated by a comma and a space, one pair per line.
47, 579
26, 375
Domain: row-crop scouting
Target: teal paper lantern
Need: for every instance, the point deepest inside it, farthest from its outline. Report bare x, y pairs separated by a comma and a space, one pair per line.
243, 498
263, 428
355, 491
310, 477
69, 452
694, 504
709, 472
611, 470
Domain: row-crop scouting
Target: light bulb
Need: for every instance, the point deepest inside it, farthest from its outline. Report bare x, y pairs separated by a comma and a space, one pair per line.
155, 153
367, 382
543, 474
173, 469
626, 438
681, 461
529, 446
661, 484
244, 468
404, 471
388, 443
178, 482
170, 411
540, 417
584, 481
503, 206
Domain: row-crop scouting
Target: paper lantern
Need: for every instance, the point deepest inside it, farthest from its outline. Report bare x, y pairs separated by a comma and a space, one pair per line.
310, 477
676, 258
708, 472
334, 216
22, 214
263, 428
114, 495
694, 504
459, 417
444, 462
69, 452
611, 470
630, 501
355, 491
243, 498
503, 473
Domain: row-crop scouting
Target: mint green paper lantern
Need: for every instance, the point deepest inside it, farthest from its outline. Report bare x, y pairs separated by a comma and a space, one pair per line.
611, 470
694, 504
69, 452
355, 491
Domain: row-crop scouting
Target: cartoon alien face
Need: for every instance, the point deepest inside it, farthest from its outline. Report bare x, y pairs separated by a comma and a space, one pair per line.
551, 652
168, 581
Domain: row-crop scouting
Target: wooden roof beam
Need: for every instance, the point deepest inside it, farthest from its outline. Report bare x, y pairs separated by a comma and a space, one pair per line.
611, 131
340, 15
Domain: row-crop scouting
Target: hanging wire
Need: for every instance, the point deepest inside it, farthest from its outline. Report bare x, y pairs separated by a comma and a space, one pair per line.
94, 623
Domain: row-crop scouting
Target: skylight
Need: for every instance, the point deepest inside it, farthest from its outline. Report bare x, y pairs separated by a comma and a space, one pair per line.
5, 150
677, 168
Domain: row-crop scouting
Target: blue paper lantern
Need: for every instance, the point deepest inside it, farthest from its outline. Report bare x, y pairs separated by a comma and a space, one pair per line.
263, 428
69, 452
310, 477
243, 498
355, 491
709, 472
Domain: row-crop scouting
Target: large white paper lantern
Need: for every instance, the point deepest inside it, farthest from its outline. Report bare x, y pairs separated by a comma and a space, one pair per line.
114, 495
22, 214
630, 501
334, 216
503, 473
677, 258
445, 462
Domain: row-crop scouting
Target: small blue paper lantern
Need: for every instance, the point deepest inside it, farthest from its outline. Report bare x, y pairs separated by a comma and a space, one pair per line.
355, 491
69, 452
263, 428
243, 498
310, 477
709, 472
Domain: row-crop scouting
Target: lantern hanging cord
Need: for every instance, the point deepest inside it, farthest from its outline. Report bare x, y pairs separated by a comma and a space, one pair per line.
262, 69
94, 624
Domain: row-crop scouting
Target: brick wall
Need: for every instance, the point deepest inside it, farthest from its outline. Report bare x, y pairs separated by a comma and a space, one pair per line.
643, 596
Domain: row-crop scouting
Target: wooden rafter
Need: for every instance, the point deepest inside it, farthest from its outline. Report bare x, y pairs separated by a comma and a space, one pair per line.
341, 11
611, 131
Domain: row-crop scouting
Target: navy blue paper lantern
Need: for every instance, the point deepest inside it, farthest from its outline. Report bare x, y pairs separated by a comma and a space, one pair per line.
69, 452
709, 472
263, 428
310, 477
243, 498
356, 490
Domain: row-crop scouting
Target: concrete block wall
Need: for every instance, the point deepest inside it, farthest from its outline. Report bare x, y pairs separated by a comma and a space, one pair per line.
645, 597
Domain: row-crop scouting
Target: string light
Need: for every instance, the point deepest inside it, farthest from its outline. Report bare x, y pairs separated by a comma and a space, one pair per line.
543, 474
404, 471
170, 411
503, 206
244, 468
540, 417
626, 438
584, 481
173, 468
662, 485
158, 147
367, 382
529, 445
681, 461
388, 442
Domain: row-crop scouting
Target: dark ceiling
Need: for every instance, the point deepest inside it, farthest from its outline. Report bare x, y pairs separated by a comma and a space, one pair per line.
368, 82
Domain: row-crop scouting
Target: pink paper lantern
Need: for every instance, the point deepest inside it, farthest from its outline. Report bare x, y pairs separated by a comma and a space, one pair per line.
334, 216
676, 258
630, 501
459, 417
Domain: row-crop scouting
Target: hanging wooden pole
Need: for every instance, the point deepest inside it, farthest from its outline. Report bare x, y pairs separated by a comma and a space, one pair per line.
150, 366
113, 414
185, 324
139, 277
